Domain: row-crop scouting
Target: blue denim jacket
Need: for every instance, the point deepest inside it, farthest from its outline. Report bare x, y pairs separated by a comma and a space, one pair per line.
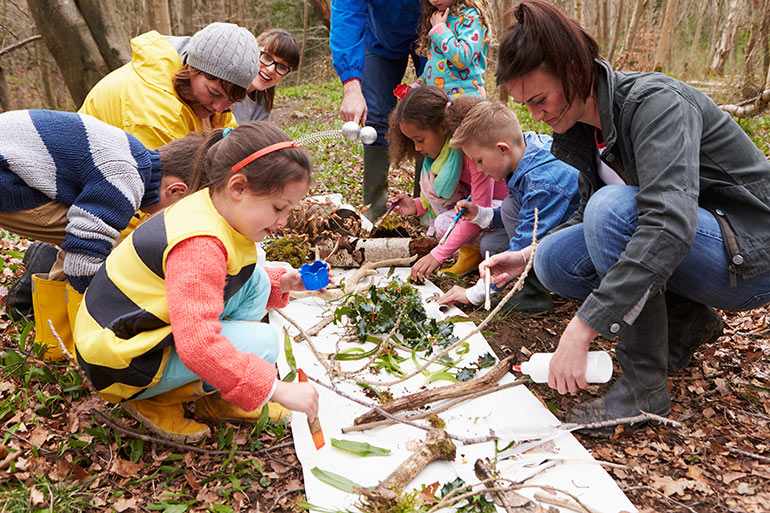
543, 181
387, 28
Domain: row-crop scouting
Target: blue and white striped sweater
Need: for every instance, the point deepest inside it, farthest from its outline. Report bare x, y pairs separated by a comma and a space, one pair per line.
103, 174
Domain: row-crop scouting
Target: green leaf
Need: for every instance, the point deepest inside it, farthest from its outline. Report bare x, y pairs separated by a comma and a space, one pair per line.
360, 448
441, 376
337, 481
220, 508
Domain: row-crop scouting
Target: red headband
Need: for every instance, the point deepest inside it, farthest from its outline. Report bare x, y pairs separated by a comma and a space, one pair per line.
264, 151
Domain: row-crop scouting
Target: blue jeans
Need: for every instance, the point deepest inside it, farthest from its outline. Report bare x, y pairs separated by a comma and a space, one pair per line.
379, 78
572, 261
240, 325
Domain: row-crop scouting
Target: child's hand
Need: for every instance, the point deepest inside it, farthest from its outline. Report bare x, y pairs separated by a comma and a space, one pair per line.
291, 280
424, 266
471, 210
503, 267
439, 17
297, 397
404, 205
456, 294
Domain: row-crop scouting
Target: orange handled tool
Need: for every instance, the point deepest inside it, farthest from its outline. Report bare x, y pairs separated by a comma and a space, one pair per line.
315, 426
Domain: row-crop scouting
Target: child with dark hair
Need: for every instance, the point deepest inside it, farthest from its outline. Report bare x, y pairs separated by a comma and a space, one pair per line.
278, 56
454, 36
172, 316
72, 180
421, 126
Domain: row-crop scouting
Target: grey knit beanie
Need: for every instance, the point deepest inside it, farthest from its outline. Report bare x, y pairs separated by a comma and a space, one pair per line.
225, 51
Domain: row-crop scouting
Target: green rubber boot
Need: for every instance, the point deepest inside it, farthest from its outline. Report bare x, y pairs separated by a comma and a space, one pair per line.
643, 355
690, 324
532, 298
376, 165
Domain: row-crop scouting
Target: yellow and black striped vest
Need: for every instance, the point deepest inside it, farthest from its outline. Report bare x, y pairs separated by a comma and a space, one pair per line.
122, 333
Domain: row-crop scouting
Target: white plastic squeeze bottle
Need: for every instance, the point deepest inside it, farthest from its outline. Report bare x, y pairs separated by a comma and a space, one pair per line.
598, 367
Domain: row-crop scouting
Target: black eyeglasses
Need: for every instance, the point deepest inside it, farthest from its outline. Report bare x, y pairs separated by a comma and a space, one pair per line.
267, 61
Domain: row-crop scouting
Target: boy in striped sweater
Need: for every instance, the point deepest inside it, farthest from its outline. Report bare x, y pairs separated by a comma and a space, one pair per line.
72, 180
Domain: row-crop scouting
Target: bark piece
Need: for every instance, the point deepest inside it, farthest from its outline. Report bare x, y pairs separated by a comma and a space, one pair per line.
419, 399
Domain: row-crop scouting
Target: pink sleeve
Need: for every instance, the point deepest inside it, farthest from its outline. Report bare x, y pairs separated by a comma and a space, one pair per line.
196, 270
276, 299
482, 188
420, 209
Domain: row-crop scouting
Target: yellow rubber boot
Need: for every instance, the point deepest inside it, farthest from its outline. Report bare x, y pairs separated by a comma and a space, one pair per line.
49, 302
164, 414
74, 298
468, 260
215, 408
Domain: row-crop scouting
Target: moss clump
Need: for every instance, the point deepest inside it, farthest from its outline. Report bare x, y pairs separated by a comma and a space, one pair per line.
287, 249
435, 421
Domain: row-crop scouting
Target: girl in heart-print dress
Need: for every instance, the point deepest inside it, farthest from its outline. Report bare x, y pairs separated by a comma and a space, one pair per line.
454, 36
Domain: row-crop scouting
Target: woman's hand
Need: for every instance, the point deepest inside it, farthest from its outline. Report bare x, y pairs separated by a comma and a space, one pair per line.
404, 205
439, 17
505, 266
297, 397
424, 266
455, 295
567, 372
353, 106
471, 210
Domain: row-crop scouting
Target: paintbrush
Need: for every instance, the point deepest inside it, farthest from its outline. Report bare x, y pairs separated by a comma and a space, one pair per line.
386, 214
487, 302
454, 223
315, 426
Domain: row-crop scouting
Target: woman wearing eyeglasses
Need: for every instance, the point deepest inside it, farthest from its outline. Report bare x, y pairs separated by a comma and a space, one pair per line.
279, 56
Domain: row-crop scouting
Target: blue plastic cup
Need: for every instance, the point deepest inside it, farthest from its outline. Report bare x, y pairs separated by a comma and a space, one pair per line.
315, 276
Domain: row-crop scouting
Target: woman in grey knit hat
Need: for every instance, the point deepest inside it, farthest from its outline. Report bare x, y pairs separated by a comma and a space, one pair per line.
175, 85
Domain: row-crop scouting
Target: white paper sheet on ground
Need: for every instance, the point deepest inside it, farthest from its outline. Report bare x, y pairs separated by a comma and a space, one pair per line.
515, 406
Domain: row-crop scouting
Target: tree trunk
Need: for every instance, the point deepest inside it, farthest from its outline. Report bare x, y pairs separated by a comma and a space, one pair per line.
49, 97
579, 11
753, 48
636, 17
186, 18
696, 37
304, 43
69, 40
616, 30
727, 40
661, 54
323, 10
162, 17
5, 98
107, 28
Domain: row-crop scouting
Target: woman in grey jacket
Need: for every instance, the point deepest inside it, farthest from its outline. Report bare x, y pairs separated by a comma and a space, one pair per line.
674, 215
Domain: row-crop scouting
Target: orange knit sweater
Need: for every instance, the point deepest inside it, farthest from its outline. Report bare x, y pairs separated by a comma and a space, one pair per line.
196, 270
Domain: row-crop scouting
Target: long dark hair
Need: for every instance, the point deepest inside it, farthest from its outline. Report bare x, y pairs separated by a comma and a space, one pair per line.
543, 35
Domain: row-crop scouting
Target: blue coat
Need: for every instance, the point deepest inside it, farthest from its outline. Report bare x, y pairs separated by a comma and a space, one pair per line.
387, 28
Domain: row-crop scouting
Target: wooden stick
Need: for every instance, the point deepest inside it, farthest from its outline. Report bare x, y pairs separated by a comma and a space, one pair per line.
487, 302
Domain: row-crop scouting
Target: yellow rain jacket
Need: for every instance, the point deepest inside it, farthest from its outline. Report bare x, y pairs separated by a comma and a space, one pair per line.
123, 333
139, 96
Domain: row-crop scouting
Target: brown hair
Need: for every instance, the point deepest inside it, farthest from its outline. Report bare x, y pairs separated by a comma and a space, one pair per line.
177, 158
428, 108
278, 43
266, 175
235, 93
543, 35
424, 41
487, 123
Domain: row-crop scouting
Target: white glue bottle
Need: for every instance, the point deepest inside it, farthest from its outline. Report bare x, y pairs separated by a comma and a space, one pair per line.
598, 367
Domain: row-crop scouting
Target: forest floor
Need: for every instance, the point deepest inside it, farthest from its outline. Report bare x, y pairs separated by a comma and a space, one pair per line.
63, 449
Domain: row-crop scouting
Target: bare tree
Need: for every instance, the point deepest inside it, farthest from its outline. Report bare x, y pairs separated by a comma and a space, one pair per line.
728, 38
633, 27
661, 54
107, 28
186, 18
616, 30
68, 38
697, 36
162, 17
